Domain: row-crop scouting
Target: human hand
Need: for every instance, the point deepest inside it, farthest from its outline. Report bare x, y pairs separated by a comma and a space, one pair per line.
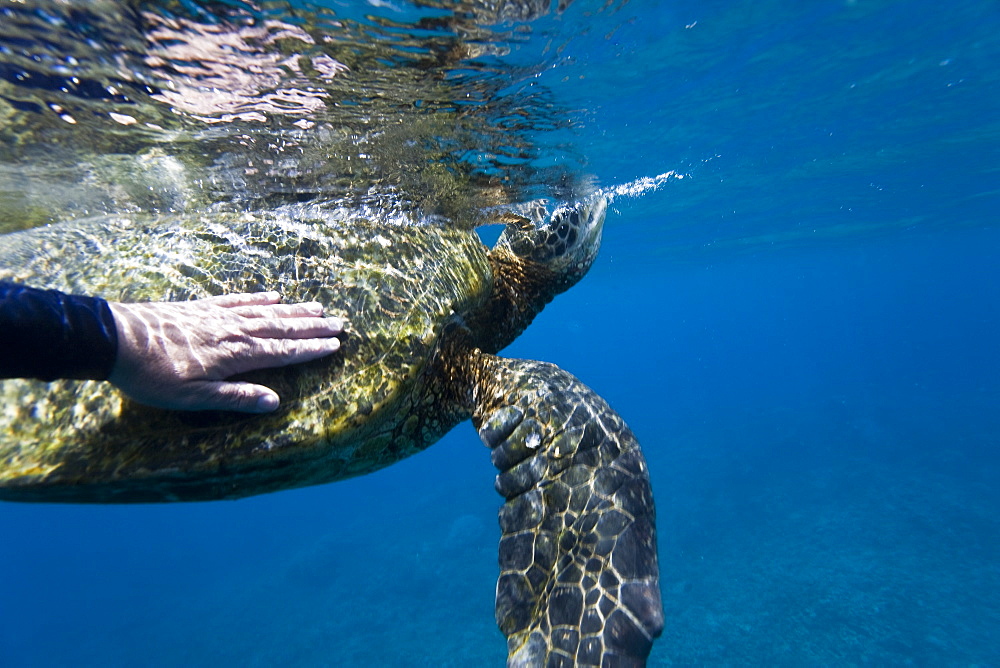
178, 354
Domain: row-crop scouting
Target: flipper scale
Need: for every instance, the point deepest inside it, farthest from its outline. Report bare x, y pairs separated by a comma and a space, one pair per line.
579, 581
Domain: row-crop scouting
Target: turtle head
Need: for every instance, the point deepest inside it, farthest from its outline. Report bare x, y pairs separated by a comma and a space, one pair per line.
532, 263
563, 246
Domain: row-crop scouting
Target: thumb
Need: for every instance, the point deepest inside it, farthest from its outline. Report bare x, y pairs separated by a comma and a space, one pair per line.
242, 397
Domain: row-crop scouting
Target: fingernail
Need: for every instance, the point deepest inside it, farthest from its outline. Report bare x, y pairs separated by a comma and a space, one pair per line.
267, 403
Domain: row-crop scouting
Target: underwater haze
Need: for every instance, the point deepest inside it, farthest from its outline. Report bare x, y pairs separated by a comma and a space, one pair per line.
796, 308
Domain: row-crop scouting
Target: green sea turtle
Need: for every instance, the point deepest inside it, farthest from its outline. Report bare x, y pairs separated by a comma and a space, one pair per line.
429, 307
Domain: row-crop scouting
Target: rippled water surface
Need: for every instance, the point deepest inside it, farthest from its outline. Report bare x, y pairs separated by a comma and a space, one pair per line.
796, 309
176, 106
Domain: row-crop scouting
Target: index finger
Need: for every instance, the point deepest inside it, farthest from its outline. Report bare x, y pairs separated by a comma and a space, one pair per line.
243, 299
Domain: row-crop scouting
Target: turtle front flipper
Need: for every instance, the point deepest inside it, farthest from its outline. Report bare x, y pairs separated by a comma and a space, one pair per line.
579, 582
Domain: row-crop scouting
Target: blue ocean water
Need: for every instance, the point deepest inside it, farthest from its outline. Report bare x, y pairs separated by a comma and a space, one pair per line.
801, 331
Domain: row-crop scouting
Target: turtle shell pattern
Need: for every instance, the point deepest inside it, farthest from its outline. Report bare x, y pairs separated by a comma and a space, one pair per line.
364, 408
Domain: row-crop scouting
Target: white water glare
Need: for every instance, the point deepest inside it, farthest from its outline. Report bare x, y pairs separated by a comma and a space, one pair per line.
638, 187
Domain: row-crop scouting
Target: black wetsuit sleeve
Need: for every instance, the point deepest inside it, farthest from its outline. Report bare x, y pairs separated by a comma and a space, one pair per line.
47, 334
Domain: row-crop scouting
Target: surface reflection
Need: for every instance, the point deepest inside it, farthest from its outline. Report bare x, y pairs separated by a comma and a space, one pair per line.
174, 106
